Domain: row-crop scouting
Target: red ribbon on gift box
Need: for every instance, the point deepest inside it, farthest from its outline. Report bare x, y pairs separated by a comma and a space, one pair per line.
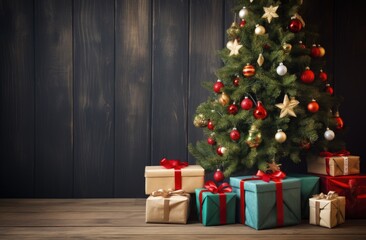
275, 177
210, 186
327, 155
177, 165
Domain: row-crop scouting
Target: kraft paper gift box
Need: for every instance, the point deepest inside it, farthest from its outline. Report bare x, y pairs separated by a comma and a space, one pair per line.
327, 164
167, 207
327, 210
353, 187
215, 208
188, 177
261, 209
309, 188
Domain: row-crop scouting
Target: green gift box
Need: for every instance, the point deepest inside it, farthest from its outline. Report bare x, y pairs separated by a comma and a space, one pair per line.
261, 207
309, 187
212, 211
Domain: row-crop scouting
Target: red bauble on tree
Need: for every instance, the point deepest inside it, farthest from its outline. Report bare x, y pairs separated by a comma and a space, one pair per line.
260, 112
307, 76
301, 45
242, 23
236, 81
210, 125
211, 140
217, 86
339, 121
248, 70
313, 106
295, 25
323, 75
232, 109
315, 51
218, 176
220, 150
305, 144
235, 134
329, 89
246, 104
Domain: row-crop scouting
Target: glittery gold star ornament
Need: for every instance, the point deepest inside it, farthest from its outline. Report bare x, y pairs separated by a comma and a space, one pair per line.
270, 12
273, 166
287, 107
234, 47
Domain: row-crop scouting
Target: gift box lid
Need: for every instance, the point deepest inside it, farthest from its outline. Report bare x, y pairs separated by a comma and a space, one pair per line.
160, 171
262, 186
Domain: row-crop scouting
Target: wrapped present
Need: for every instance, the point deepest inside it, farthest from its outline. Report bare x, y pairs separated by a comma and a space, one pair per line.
327, 210
267, 200
334, 164
173, 174
167, 207
353, 187
309, 187
215, 205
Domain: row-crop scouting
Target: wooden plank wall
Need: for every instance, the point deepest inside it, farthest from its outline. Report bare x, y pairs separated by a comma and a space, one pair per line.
92, 91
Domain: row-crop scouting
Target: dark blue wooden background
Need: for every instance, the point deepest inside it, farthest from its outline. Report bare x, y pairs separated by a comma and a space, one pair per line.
92, 91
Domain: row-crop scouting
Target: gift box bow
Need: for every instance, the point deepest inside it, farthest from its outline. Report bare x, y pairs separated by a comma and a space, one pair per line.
168, 193
335, 154
213, 188
331, 195
177, 165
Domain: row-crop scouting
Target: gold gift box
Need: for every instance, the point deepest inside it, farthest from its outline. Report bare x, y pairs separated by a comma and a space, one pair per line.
327, 210
338, 166
159, 177
167, 208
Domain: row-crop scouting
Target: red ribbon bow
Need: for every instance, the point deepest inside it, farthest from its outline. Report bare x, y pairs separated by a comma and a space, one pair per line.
276, 176
221, 190
177, 165
327, 155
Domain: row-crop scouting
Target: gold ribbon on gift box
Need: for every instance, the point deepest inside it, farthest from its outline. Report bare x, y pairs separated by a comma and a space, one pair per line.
330, 196
166, 194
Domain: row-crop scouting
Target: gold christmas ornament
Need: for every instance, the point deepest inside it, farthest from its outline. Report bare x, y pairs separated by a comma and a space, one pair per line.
280, 136
200, 121
254, 138
270, 12
273, 166
224, 99
287, 107
233, 31
260, 60
287, 47
259, 30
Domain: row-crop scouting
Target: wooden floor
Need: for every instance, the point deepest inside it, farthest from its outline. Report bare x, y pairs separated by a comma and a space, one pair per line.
125, 219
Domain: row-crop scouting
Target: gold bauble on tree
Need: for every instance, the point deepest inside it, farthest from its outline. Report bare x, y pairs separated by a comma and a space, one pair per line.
233, 31
200, 121
254, 138
224, 99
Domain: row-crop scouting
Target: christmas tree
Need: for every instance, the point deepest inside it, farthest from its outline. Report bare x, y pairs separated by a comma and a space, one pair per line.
271, 100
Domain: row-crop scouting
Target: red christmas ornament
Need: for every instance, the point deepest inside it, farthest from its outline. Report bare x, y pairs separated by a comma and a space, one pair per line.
266, 46
323, 76
210, 125
313, 106
211, 141
329, 89
220, 150
260, 112
305, 144
246, 104
236, 81
339, 121
301, 45
232, 109
307, 76
235, 134
242, 23
217, 86
218, 176
315, 51
295, 25
248, 70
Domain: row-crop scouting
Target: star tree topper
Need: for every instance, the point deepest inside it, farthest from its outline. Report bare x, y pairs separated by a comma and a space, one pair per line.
287, 107
270, 12
234, 48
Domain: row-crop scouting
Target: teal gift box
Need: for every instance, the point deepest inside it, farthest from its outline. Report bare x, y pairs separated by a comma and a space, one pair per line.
261, 204
309, 187
211, 207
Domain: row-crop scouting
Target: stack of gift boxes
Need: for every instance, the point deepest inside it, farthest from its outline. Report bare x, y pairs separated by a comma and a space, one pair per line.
262, 201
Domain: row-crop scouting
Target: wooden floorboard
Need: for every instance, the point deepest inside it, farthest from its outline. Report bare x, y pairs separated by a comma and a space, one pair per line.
125, 219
